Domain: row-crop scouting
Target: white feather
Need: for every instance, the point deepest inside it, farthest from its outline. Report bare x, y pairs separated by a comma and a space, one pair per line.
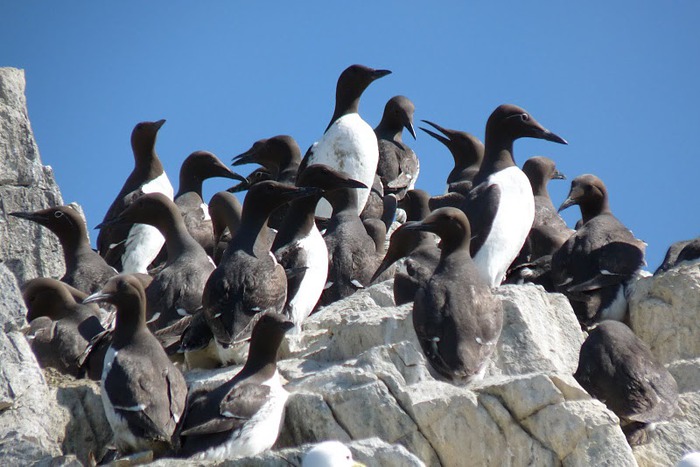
257, 434
328, 454
144, 242
513, 221
617, 309
350, 146
314, 279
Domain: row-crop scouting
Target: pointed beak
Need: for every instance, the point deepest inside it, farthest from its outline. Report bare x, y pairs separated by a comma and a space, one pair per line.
97, 297
224, 172
247, 157
30, 216
558, 176
549, 136
376, 74
287, 325
243, 186
568, 202
160, 123
301, 192
409, 127
119, 220
386, 262
351, 183
437, 136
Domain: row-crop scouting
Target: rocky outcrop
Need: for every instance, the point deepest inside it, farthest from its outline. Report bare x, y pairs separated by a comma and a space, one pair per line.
664, 313
26, 248
31, 427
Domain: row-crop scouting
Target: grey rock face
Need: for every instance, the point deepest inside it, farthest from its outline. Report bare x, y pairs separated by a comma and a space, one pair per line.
30, 428
28, 249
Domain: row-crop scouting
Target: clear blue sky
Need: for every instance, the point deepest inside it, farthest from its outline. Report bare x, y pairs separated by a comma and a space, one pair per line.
618, 81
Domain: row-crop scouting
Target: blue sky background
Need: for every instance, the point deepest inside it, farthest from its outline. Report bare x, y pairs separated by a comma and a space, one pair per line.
618, 81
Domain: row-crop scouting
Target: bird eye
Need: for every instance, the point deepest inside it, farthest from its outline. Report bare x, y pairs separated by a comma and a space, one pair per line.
58, 214
524, 117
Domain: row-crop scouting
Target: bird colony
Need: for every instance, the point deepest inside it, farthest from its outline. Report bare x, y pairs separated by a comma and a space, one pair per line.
178, 285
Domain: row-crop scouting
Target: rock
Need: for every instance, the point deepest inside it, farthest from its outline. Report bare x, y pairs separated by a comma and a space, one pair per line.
30, 428
540, 333
25, 185
664, 310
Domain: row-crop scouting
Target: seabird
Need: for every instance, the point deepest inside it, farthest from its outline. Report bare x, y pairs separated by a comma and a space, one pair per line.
455, 315
199, 166
501, 206
281, 157
618, 368
85, 269
133, 248
415, 204
398, 165
548, 232
468, 152
422, 256
352, 253
329, 454
349, 143
593, 267
225, 212
61, 328
249, 282
143, 394
241, 417
684, 250
176, 289
299, 246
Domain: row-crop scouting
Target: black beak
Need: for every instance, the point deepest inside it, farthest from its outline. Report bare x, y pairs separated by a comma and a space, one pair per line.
568, 202
30, 216
350, 183
409, 127
247, 157
549, 136
97, 297
438, 137
160, 123
558, 176
376, 74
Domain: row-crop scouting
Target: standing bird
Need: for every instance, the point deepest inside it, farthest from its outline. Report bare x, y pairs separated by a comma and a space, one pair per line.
143, 394
349, 143
241, 417
501, 206
467, 152
617, 368
398, 165
248, 282
133, 248
594, 266
299, 246
176, 289
199, 166
352, 252
86, 270
455, 315
548, 232
61, 328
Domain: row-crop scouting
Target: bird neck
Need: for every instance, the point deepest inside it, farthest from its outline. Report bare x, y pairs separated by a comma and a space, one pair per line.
298, 222
498, 155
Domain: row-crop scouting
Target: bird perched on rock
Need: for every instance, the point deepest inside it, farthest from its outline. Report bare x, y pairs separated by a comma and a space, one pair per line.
242, 416
85, 269
61, 328
684, 250
352, 252
456, 316
299, 246
501, 206
349, 143
329, 454
618, 368
197, 167
133, 248
143, 394
548, 232
248, 282
594, 266
176, 289
398, 165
